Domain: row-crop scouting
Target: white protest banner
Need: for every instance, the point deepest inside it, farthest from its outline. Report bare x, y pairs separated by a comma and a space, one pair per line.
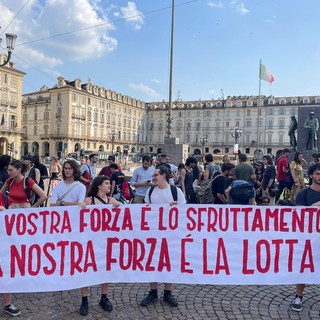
61, 248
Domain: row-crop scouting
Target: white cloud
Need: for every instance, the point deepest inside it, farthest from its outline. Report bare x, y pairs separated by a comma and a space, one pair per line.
133, 16
156, 81
145, 90
45, 20
239, 7
215, 4
271, 20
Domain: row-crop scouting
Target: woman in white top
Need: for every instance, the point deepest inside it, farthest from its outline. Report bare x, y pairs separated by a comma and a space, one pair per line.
70, 191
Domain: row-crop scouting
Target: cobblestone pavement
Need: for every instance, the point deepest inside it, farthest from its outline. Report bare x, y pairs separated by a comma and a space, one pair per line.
195, 302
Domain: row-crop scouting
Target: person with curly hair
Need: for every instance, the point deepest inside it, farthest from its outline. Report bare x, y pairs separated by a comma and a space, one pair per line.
297, 165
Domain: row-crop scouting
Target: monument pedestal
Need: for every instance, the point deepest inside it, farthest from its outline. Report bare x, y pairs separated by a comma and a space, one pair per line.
177, 151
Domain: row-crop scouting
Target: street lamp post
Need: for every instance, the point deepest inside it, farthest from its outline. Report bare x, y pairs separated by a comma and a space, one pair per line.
11, 40
203, 141
236, 133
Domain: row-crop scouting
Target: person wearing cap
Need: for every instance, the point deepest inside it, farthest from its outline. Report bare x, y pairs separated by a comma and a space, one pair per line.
312, 125
282, 170
292, 132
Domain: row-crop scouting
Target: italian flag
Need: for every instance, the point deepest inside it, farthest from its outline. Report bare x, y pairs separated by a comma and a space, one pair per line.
265, 74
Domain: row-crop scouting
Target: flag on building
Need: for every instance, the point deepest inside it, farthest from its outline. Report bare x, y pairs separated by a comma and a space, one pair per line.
2, 121
265, 74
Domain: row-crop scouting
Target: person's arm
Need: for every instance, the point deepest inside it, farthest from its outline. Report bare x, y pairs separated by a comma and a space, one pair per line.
227, 193
42, 196
293, 173
37, 175
222, 197
304, 164
206, 174
115, 203
4, 188
253, 174
183, 178
113, 186
285, 169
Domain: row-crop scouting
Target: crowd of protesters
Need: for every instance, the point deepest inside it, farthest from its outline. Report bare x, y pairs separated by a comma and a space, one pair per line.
266, 182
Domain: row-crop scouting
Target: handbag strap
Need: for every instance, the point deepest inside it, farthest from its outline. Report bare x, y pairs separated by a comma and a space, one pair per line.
76, 184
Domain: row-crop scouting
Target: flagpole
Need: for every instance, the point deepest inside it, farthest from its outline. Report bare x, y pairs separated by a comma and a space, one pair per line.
169, 113
259, 102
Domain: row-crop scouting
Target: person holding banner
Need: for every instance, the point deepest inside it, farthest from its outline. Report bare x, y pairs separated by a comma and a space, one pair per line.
69, 191
98, 194
308, 196
162, 193
21, 188
8, 306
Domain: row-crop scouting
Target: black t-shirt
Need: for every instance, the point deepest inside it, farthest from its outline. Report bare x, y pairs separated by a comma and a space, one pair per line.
269, 173
218, 186
118, 177
307, 197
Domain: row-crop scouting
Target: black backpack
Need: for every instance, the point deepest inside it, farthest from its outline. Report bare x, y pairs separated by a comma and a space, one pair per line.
5, 200
173, 189
242, 194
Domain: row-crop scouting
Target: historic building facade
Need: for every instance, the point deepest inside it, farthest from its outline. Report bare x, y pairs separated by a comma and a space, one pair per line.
215, 125
10, 108
73, 117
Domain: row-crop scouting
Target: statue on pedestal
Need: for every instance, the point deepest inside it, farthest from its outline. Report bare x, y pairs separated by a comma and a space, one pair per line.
312, 125
292, 132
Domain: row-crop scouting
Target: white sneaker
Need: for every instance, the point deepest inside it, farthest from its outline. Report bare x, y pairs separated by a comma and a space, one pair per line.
12, 310
296, 304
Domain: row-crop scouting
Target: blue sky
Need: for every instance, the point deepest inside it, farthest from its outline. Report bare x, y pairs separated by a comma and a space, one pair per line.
218, 45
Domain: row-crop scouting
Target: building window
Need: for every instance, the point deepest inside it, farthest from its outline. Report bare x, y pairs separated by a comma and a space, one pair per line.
281, 124
270, 112
59, 96
270, 124
227, 124
248, 113
248, 123
282, 112
281, 139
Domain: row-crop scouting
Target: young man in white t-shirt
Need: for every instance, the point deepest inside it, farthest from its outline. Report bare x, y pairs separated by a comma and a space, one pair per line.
162, 194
